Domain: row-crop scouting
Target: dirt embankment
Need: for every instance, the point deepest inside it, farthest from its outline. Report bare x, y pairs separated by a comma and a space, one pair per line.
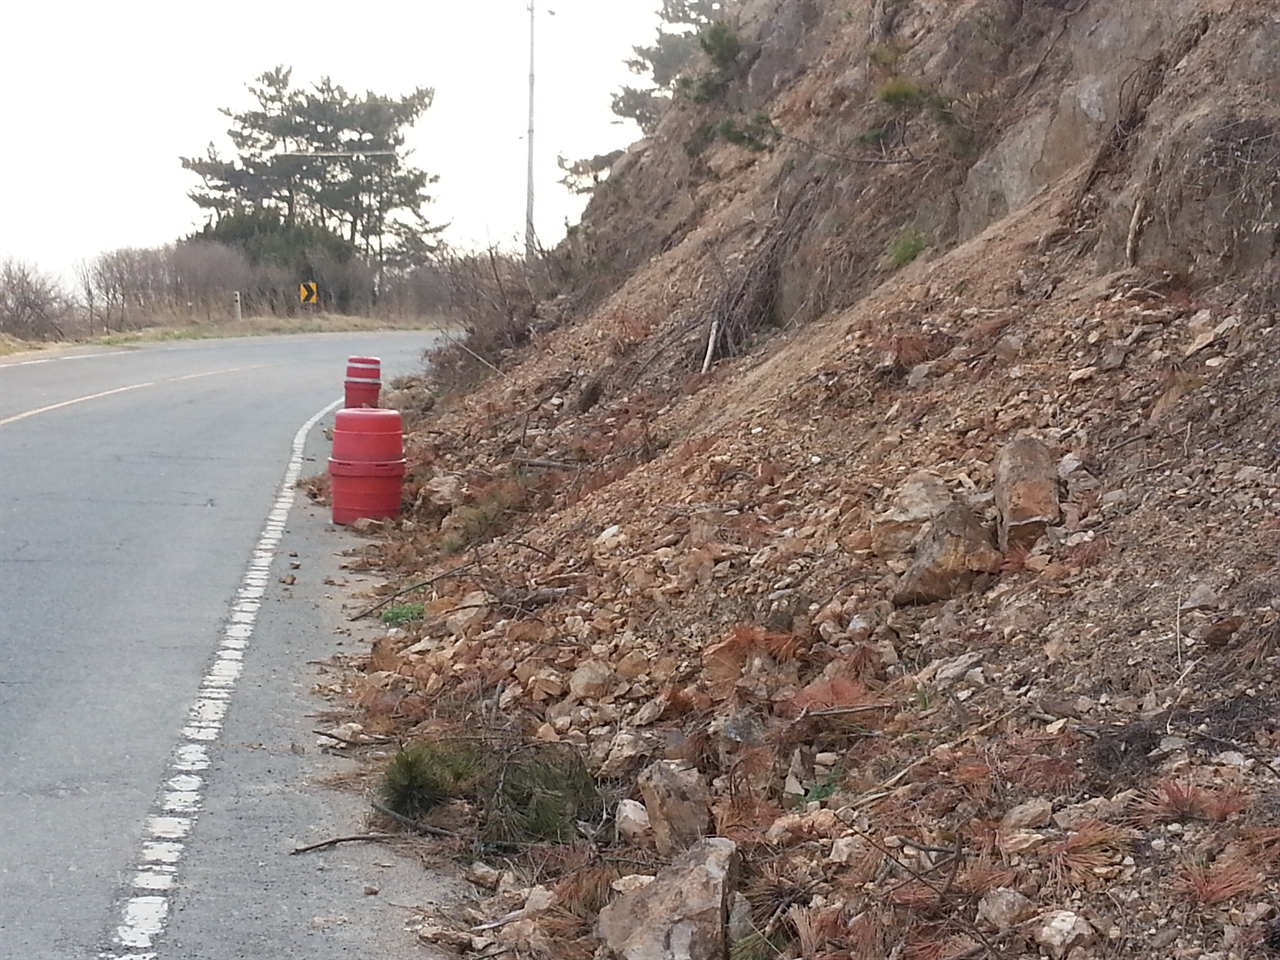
756, 516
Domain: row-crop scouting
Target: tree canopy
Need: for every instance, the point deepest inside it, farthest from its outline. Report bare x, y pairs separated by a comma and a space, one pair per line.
673, 50
317, 165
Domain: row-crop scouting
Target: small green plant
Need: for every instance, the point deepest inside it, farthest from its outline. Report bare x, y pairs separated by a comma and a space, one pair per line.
875, 136
903, 93
403, 613
722, 45
756, 133
424, 775
702, 138
756, 946
885, 55
825, 788
908, 245
542, 796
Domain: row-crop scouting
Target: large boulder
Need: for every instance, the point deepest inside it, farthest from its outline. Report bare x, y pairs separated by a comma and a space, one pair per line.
678, 802
953, 553
1026, 492
682, 914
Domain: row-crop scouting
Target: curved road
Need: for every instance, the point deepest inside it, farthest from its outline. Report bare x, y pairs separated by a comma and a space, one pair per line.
134, 489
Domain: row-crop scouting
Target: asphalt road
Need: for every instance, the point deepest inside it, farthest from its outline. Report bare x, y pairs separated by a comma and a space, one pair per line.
135, 487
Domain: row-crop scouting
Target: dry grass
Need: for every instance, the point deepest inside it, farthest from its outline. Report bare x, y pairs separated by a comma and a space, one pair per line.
1224, 880
1174, 800
1075, 862
268, 326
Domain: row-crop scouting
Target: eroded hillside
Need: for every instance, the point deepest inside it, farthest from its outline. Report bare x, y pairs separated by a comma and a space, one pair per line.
901, 504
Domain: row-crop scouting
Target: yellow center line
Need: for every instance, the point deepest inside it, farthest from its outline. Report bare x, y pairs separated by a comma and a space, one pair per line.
133, 386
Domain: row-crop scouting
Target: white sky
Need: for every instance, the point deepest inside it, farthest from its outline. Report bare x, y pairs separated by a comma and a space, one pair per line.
99, 98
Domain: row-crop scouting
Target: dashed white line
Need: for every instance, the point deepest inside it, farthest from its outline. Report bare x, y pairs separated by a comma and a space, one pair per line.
146, 910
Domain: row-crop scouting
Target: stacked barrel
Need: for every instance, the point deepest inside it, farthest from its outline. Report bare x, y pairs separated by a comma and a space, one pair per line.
367, 468
364, 380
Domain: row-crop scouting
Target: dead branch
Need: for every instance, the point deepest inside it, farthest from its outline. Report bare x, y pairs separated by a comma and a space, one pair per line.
412, 824
368, 837
400, 593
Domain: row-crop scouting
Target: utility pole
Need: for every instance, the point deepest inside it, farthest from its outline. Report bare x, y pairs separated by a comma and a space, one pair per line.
528, 205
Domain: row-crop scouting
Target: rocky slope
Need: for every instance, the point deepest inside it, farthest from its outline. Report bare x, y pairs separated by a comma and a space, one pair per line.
905, 511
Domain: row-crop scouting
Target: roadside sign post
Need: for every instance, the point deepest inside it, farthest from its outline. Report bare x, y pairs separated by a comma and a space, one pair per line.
235, 300
309, 293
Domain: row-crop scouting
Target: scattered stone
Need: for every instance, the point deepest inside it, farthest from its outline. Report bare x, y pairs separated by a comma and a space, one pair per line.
679, 916
632, 821
591, 680
1026, 488
483, 875
920, 498
1202, 597
950, 557
632, 882
626, 750
678, 803
1033, 813
1060, 931
1004, 908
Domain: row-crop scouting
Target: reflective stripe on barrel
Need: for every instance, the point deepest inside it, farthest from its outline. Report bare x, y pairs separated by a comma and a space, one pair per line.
363, 382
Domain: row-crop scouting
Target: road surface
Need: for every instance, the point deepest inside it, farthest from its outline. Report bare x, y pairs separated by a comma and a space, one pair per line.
152, 669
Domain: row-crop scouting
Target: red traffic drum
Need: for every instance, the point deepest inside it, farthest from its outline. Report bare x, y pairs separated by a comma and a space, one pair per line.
367, 468
364, 380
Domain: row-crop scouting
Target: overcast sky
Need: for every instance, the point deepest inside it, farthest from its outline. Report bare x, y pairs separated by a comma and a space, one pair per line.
99, 99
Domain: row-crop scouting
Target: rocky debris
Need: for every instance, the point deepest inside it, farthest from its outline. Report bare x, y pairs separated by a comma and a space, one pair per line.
1033, 813
789, 565
677, 802
682, 914
954, 551
921, 497
1062, 931
1026, 489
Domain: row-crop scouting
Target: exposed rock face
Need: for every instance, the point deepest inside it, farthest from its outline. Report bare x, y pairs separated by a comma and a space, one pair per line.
679, 916
676, 798
952, 554
1026, 492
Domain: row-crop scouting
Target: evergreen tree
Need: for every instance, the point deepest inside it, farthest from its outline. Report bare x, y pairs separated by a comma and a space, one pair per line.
315, 163
674, 50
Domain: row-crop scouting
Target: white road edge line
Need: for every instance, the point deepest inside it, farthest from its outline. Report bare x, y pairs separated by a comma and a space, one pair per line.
145, 912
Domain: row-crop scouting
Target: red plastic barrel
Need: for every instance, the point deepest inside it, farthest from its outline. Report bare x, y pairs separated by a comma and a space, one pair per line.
365, 434
364, 381
367, 467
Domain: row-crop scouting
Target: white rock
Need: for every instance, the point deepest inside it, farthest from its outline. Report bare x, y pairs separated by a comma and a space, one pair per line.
1061, 930
633, 881
631, 820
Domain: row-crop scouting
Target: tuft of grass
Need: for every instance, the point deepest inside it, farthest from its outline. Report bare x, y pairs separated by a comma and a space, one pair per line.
756, 946
1219, 882
543, 795
424, 775
403, 613
902, 93
906, 247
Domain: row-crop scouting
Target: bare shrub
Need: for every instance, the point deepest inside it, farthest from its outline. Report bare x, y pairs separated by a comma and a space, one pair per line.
206, 276
33, 305
493, 298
